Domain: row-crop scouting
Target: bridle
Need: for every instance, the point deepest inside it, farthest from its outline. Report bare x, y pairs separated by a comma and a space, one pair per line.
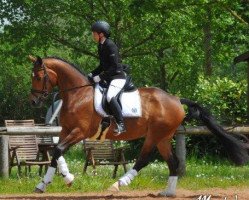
44, 92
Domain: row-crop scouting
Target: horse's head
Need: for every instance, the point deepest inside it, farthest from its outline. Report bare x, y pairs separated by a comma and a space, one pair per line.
43, 80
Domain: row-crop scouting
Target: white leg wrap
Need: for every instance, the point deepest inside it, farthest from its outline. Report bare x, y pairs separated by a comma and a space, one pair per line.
41, 186
69, 178
49, 175
171, 189
63, 169
47, 179
127, 178
62, 165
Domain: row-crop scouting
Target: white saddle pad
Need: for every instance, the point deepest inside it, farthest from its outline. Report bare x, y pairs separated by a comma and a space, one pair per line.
131, 103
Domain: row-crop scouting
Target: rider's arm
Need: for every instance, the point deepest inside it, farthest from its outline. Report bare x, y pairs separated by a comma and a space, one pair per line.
97, 71
114, 65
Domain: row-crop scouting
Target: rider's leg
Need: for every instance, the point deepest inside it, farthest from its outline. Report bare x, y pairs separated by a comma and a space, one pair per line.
115, 87
117, 113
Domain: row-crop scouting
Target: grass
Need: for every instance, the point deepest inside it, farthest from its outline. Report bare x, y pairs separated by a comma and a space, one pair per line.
201, 174
208, 174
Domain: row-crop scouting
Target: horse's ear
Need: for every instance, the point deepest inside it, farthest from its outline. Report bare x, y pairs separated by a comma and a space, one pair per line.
39, 60
32, 59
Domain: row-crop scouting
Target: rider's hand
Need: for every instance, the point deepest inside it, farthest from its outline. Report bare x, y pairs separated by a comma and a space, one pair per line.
90, 77
96, 79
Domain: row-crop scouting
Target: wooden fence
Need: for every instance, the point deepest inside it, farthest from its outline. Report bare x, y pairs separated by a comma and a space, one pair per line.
200, 130
39, 130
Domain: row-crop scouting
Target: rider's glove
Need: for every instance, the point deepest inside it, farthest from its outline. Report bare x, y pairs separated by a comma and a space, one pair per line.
96, 79
90, 77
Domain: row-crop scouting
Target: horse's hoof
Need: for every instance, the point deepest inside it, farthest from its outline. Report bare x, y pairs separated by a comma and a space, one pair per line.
166, 194
69, 179
37, 190
114, 187
40, 188
70, 184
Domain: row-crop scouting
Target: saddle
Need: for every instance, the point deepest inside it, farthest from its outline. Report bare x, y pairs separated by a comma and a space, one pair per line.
128, 99
128, 87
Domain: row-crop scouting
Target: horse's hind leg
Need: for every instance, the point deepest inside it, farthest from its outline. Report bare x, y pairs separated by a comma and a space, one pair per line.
58, 160
143, 160
165, 150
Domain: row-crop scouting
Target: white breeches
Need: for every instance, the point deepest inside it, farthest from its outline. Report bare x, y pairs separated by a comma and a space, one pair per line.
115, 87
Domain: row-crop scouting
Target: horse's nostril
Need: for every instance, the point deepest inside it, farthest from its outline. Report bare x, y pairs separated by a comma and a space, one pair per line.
33, 103
36, 103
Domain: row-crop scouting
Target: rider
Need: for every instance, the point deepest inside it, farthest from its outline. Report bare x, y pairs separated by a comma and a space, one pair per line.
110, 70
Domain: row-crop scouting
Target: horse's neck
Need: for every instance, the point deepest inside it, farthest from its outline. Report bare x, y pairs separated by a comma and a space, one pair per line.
68, 77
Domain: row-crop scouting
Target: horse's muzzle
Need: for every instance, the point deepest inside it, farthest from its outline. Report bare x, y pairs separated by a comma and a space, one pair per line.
35, 102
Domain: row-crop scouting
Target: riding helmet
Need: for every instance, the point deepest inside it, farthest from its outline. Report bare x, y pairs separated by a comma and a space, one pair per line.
101, 27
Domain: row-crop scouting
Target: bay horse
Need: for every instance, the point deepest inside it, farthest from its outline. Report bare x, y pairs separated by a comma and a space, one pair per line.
162, 114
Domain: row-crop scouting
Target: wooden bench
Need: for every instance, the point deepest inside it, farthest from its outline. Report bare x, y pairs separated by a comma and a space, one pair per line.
23, 149
103, 153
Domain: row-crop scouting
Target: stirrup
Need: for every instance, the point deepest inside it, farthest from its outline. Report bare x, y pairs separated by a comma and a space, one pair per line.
120, 129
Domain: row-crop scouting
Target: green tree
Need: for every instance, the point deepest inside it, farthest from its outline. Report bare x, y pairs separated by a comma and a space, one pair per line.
162, 40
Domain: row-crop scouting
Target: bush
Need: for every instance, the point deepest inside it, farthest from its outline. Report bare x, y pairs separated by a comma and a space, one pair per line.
226, 101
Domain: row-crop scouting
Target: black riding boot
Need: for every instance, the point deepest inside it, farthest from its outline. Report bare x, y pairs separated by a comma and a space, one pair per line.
117, 113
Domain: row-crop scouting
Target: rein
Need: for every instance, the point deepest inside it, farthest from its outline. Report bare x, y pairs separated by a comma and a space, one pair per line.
74, 88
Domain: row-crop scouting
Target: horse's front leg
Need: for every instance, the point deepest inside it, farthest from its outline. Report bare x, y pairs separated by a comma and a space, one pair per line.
59, 161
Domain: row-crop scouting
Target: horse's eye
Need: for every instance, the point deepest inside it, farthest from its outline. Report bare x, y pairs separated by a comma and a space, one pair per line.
38, 78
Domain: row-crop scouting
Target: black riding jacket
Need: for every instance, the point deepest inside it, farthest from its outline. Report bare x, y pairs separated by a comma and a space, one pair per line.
110, 66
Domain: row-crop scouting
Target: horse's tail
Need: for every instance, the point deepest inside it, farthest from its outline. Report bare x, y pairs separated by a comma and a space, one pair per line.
237, 146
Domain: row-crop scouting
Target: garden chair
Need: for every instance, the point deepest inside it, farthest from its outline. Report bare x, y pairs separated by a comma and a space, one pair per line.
23, 149
103, 153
